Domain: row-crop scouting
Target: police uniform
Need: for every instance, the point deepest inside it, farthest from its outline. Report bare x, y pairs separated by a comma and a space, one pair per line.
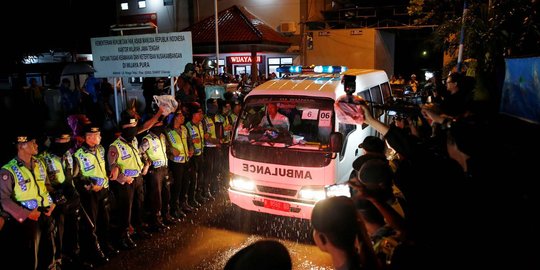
154, 149
28, 232
212, 147
92, 183
60, 171
124, 155
228, 125
196, 132
179, 152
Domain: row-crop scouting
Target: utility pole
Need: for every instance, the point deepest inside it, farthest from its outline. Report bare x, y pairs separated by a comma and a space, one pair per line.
303, 40
217, 37
462, 37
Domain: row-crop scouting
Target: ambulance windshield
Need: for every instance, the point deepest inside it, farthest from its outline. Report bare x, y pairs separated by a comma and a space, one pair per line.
286, 122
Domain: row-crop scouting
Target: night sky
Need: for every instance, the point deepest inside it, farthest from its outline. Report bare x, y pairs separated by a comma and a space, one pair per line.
60, 25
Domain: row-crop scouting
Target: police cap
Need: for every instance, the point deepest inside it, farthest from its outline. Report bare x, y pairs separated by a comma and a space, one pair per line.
90, 128
129, 120
22, 137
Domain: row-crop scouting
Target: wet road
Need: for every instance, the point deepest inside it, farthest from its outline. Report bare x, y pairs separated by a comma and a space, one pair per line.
209, 237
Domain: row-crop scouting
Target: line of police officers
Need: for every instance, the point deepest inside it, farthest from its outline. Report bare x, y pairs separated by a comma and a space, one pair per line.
75, 208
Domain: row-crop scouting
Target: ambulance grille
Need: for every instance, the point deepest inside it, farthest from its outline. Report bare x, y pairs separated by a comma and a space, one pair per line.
279, 191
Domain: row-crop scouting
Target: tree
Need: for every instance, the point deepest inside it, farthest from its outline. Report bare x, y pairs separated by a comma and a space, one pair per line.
494, 30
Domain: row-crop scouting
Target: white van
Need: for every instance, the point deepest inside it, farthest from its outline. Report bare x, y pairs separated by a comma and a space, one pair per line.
307, 154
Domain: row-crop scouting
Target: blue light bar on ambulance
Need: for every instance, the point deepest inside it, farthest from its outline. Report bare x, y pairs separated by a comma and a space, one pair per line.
289, 69
329, 69
316, 69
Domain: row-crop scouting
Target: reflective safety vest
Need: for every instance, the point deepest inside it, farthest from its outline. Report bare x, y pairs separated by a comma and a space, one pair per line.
210, 127
129, 159
234, 117
157, 150
196, 132
93, 165
227, 134
180, 143
29, 187
57, 167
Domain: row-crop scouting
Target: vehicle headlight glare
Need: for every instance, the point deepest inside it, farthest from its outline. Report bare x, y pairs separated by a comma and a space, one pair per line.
242, 183
312, 194
338, 190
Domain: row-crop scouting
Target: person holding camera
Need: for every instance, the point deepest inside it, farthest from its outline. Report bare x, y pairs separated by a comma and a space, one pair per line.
28, 232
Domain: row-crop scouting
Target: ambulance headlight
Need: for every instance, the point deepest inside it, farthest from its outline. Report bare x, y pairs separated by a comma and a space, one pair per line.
338, 190
312, 193
242, 183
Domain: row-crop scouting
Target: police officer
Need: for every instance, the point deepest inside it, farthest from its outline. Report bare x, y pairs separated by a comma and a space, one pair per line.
154, 149
127, 169
24, 196
196, 132
228, 124
213, 123
92, 184
179, 152
60, 171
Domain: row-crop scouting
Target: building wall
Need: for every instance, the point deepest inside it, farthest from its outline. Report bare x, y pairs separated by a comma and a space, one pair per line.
354, 48
166, 15
385, 43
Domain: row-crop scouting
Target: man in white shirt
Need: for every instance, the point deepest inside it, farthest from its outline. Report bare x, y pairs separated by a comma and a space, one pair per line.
273, 118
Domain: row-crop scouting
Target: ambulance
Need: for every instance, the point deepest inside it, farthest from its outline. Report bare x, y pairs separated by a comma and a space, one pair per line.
289, 149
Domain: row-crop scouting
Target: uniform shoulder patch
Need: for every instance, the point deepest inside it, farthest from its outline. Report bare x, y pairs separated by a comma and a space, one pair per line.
4, 175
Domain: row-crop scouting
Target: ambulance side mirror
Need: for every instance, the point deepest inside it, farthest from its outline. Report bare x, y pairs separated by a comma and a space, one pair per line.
336, 142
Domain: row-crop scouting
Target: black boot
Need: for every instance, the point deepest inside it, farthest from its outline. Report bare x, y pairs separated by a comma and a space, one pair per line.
170, 221
99, 257
186, 208
178, 214
126, 242
110, 250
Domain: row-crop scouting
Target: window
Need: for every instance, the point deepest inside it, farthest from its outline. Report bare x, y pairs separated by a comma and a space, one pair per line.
142, 4
377, 99
124, 6
376, 94
275, 62
346, 130
387, 94
367, 97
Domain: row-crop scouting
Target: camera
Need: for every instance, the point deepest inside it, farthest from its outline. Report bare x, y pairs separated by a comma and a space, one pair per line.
401, 108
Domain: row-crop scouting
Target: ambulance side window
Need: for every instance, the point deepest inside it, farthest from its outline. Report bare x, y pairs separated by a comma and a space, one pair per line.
346, 130
365, 94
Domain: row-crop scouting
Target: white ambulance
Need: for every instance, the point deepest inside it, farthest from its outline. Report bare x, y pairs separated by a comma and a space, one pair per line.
289, 150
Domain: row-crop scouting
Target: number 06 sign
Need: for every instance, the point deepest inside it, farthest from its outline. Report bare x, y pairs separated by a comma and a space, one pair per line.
325, 118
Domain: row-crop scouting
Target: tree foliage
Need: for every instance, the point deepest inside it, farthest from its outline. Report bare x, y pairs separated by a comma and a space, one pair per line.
494, 29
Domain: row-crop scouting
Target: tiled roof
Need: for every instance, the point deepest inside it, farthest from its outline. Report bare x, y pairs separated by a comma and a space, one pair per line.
236, 26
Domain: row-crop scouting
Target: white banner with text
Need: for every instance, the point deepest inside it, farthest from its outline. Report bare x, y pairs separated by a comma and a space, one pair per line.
151, 55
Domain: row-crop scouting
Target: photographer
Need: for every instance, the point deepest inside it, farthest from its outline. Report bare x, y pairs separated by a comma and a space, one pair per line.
426, 177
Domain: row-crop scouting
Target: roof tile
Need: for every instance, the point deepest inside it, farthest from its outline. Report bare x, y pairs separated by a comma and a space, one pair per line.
237, 26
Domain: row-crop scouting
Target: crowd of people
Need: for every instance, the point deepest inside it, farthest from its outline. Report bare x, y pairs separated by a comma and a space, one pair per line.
442, 189
435, 192
75, 195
